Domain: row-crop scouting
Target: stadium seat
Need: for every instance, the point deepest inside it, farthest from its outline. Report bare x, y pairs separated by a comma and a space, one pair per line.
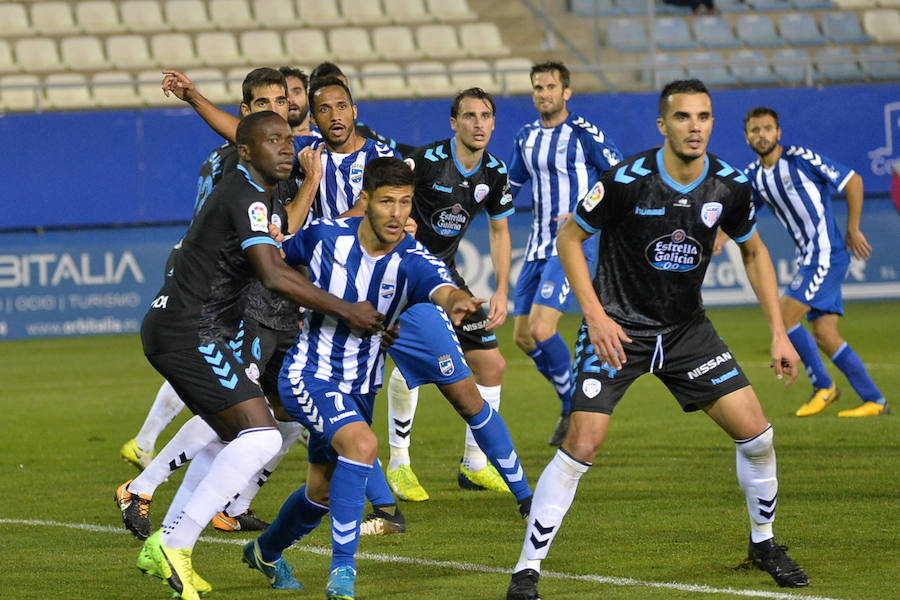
843, 28
14, 20
68, 91
513, 75
350, 43
800, 29
276, 13
114, 89
757, 30
188, 15
709, 67
307, 45
19, 92
98, 16
482, 39
751, 67
714, 32
231, 14
8, 64
633, 8
263, 47
407, 11
732, 6
889, 3
383, 80
855, 4
668, 68
363, 12
428, 79
792, 65
83, 53
394, 42
212, 84
450, 10
838, 64
173, 50
220, 49
149, 90
320, 13
880, 62
129, 51
143, 16
352, 75
438, 41
627, 35
473, 72
769, 5
883, 25
811, 4
53, 18
593, 8
672, 33
38, 54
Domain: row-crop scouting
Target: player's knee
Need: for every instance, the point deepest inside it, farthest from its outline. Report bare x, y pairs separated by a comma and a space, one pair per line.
758, 446
522, 338
541, 330
364, 447
489, 368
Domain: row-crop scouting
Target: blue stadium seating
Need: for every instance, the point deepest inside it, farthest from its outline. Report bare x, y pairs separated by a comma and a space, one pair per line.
844, 28
632, 7
770, 5
627, 35
757, 30
714, 32
811, 4
752, 67
800, 29
880, 62
672, 33
668, 68
710, 68
590, 8
785, 63
732, 6
838, 64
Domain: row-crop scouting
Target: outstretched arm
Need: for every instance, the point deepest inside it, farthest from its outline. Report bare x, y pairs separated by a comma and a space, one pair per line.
298, 209
501, 258
456, 302
761, 274
856, 241
223, 123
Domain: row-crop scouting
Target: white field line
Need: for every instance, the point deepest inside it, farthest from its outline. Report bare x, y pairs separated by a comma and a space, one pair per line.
459, 566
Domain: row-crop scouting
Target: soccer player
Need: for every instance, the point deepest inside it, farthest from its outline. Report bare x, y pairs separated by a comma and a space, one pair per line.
187, 328
795, 184
298, 108
331, 376
659, 211
455, 179
563, 155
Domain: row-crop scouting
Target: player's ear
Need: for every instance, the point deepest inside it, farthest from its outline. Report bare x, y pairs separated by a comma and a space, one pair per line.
567, 94
244, 152
661, 125
244, 110
354, 113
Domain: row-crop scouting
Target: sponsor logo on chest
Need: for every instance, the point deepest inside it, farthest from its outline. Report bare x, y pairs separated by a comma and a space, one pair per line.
674, 252
450, 222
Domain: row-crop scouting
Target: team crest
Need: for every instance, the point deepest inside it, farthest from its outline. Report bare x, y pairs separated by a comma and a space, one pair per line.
276, 221
593, 197
547, 289
591, 387
481, 192
445, 363
797, 282
710, 213
387, 289
252, 372
356, 173
259, 218
410, 163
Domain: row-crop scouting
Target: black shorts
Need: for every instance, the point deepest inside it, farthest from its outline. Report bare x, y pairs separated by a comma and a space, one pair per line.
692, 361
265, 347
471, 332
209, 378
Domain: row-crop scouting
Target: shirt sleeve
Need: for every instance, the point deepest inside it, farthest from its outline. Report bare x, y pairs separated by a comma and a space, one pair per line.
295, 247
425, 274
602, 151
597, 208
739, 219
499, 203
818, 166
250, 215
518, 174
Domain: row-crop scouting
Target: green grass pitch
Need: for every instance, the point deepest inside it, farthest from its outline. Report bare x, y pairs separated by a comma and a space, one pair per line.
659, 516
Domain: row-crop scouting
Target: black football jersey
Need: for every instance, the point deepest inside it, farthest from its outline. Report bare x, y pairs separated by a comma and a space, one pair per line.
657, 237
447, 198
201, 299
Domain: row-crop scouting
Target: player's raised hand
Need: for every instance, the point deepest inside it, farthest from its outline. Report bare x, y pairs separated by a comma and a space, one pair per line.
311, 162
176, 82
607, 336
362, 316
784, 359
858, 244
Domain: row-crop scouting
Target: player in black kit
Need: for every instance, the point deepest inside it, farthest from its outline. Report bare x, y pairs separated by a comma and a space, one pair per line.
457, 178
186, 332
659, 212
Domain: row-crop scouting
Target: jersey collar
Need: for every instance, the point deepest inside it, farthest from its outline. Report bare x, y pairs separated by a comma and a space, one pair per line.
241, 168
459, 166
681, 189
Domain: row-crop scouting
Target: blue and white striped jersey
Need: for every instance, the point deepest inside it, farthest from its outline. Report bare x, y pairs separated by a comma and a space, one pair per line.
796, 189
326, 348
563, 164
342, 174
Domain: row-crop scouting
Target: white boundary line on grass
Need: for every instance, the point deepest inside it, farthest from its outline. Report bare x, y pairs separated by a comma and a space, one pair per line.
460, 566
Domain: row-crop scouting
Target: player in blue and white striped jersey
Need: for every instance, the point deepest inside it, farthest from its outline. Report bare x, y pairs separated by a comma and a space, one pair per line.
796, 184
330, 378
563, 155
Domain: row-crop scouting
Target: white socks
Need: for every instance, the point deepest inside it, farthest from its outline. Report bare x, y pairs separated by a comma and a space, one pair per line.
473, 458
193, 436
756, 473
165, 407
402, 403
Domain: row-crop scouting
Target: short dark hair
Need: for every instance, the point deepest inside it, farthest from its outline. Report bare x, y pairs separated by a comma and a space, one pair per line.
761, 111
248, 125
475, 92
318, 84
293, 72
549, 67
679, 86
387, 171
260, 77
326, 69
